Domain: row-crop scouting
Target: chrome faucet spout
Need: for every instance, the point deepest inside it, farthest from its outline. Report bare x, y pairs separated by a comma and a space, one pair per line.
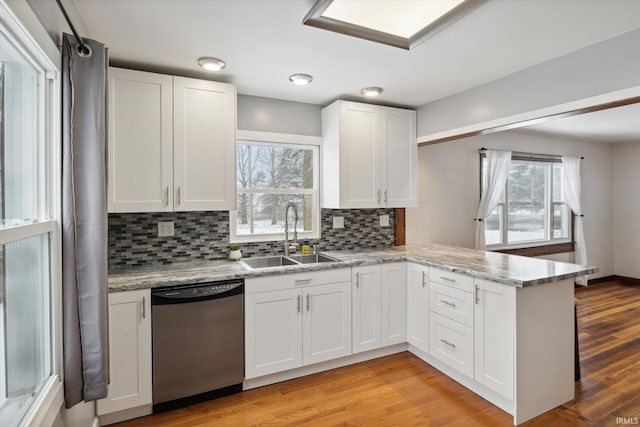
293, 246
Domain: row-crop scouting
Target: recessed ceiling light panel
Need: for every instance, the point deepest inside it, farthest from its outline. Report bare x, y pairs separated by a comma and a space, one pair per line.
399, 23
300, 79
371, 91
211, 64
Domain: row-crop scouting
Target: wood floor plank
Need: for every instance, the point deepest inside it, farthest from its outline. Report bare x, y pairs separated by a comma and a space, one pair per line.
402, 390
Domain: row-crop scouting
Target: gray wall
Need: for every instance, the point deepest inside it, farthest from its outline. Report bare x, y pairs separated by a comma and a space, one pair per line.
279, 116
604, 67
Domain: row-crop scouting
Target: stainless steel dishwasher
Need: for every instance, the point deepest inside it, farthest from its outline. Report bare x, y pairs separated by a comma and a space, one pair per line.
198, 342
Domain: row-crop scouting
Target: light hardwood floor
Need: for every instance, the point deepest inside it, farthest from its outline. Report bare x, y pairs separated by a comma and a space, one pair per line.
401, 390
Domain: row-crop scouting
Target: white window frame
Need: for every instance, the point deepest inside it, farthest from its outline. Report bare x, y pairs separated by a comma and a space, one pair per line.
503, 205
26, 33
281, 139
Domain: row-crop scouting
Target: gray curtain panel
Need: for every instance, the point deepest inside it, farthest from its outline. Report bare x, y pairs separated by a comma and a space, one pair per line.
84, 222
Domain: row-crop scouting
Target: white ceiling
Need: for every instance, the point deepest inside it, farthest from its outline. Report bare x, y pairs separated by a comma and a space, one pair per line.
264, 41
615, 125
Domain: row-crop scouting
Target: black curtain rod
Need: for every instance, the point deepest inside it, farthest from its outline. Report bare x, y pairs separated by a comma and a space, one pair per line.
83, 49
522, 153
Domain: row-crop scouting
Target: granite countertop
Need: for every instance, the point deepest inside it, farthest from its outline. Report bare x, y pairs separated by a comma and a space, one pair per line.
507, 269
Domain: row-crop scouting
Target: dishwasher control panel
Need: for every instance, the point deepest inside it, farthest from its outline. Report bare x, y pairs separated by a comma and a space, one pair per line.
196, 292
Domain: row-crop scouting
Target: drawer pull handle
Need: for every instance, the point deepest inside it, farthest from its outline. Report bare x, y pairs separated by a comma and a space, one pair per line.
298, 303
450, 304
299, 281
424, 276
447, 343
448, 279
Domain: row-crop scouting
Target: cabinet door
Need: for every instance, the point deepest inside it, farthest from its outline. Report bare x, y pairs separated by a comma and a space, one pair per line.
451, 342
140, 133
204, 145
359, 156
273, 332
366, 293
494, 336
129, 352
394, 303
327, 322
418, 306
399, 158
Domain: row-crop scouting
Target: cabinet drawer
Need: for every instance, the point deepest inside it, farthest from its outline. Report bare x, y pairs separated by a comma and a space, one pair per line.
451, 343
296, 280
451, 302
448, 278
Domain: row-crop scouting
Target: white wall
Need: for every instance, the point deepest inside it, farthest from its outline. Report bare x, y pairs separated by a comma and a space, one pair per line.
604, 67
449, 191
626, 209
279, 116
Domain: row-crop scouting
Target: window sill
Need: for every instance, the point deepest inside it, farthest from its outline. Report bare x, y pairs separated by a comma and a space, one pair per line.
532, 251
271, 237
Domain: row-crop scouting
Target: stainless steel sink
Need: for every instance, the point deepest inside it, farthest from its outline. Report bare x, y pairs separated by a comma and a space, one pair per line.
280, 260
267, 261
313, 258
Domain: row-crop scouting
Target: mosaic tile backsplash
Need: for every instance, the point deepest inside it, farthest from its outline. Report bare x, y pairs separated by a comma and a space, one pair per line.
134, 241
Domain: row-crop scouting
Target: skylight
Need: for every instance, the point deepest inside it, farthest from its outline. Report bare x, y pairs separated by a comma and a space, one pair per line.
402, 18
399, 23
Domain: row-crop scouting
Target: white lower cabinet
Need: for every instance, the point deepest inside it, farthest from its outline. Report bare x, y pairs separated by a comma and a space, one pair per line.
379, 295
394, 303
326, 326
494, 336
288, 325
367, 323
451, 342
273, 332
418, 306
129, 352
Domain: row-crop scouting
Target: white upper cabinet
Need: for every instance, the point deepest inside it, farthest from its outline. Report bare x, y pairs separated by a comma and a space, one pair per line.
140, 141
369, 156
171, 143
204, 145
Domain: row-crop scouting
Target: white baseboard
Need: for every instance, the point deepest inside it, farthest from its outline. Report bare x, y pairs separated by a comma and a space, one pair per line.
323, 366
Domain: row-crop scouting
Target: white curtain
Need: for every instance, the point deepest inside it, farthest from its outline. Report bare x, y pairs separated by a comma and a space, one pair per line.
498, 163
571, 188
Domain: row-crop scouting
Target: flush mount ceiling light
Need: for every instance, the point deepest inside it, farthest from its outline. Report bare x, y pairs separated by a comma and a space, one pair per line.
300, 79
399, 23
371, 91
211, 64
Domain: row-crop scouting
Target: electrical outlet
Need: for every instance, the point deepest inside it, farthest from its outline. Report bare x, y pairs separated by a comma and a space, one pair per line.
338, 222
165, 229
384, 220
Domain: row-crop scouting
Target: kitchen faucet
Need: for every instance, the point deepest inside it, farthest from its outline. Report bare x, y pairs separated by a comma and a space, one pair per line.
293, 246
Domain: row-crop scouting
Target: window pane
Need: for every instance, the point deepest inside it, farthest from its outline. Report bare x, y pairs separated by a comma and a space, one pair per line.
19, 154
274, 166
526, 208
493, 227
557, 183
261, 213
25, 325
561, 220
